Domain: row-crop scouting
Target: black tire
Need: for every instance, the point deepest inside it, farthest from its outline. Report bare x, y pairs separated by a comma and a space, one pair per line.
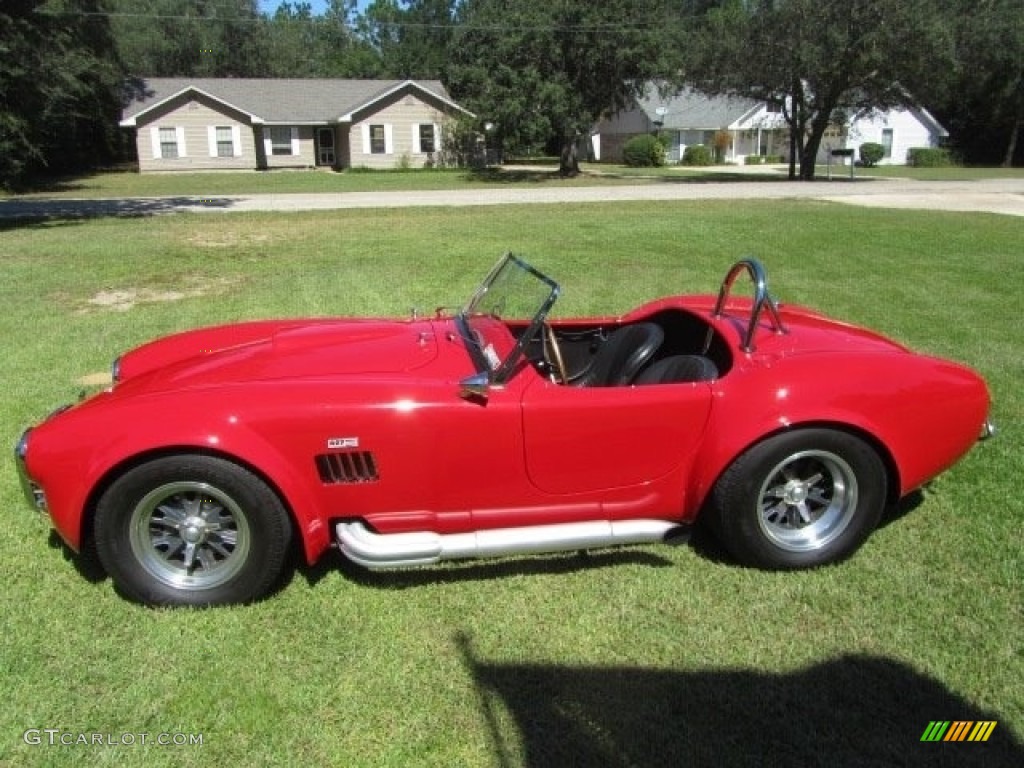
191, 530
799, 499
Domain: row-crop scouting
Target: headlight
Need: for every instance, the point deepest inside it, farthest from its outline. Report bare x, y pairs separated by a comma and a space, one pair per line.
33, 493
115, 370
21, 449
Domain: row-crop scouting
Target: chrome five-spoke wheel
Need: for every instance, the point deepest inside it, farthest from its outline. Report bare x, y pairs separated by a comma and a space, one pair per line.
807, 500
192, 530
190, 534
799, 499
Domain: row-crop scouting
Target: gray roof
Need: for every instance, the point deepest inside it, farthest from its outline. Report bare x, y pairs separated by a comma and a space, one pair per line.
288, 100
690, 109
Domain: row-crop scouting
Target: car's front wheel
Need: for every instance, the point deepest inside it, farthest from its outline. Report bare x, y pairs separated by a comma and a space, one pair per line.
191, 530
799, 499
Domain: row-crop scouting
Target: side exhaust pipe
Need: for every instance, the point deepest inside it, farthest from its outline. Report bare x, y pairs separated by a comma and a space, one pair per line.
402, 550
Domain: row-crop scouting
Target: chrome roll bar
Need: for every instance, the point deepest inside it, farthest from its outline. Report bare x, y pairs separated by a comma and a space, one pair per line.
762, 300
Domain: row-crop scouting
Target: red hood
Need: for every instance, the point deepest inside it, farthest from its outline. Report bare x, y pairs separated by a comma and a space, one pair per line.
269, 350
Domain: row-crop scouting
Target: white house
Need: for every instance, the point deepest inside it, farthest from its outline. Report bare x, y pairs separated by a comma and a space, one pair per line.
752, 128
691, 117
897, 130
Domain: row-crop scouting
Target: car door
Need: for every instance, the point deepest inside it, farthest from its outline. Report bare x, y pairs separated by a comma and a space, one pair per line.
590, 439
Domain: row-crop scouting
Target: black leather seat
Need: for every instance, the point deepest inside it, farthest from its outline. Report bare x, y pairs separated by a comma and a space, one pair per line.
623, 354
679, 369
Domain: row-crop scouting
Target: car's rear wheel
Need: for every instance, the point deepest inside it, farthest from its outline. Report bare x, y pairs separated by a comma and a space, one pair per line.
799, 499
191, 530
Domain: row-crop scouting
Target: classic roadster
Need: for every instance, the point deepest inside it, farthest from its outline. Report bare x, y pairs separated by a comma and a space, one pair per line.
492, 431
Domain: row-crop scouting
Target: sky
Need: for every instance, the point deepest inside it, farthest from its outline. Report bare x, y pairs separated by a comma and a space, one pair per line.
269, 6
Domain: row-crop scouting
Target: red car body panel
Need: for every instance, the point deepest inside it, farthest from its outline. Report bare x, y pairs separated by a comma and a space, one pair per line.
273, 396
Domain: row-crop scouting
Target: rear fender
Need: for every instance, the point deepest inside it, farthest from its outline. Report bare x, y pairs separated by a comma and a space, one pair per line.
921, 414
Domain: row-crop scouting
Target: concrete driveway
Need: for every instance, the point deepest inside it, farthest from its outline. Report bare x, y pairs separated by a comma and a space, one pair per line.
1004, 196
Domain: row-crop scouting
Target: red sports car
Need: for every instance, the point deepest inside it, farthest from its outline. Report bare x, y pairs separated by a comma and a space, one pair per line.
491, 431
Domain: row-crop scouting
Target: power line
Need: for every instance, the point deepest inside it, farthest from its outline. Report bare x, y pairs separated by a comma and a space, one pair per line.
315, 20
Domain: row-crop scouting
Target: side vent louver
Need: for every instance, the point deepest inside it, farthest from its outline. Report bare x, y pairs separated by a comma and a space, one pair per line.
347, 467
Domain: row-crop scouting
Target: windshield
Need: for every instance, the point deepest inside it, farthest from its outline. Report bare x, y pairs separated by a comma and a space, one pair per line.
512, 301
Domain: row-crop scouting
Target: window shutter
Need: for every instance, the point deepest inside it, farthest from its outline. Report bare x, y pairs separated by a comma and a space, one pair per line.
437, 138
179, 133
295, 140
389, 139
365, 130
236, 140
417, 148
211, 136
268, 143
154, 138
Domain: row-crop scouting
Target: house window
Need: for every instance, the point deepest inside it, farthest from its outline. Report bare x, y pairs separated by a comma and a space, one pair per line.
887, 142
378, 143
773, 107
280, 140
225, 142
168, 143
426, 138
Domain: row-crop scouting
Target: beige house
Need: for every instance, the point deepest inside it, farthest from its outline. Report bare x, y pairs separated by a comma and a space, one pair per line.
195, 124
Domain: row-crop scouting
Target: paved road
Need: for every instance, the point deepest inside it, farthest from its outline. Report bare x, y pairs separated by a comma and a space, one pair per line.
1005, 196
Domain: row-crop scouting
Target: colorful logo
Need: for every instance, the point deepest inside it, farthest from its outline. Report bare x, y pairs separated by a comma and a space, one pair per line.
959, 730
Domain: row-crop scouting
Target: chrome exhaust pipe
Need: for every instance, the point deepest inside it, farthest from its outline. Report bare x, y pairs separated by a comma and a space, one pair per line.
402, 550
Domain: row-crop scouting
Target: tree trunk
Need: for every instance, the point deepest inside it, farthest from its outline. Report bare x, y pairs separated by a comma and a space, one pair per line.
569, 162
792, 153
1011, 147
809, 156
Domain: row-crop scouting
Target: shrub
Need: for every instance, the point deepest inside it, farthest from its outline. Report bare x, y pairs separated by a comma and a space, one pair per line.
929, 157
721, 141
870, 153
643, 151
697, 154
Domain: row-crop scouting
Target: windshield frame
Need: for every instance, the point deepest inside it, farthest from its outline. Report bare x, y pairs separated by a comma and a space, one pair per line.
509, 269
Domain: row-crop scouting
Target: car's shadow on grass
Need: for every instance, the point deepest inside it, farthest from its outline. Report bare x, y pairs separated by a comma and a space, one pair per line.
86, 562
854, 710
906, 505
700, 540
464, 571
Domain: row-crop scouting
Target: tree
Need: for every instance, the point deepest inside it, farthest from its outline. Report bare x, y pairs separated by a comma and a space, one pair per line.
823, 61
299, 44
190, 38
543, 68
986, 115
412, 37
60, 83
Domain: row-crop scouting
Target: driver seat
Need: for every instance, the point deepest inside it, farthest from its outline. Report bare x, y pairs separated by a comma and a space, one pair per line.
622, 355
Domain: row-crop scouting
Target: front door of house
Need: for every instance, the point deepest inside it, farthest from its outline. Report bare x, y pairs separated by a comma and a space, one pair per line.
325, 146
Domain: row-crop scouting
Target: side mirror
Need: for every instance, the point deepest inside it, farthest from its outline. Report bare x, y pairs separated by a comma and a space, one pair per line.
476, 387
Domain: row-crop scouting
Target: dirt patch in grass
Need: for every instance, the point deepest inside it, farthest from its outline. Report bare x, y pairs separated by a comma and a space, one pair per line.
228, 239
98, 379
123, 299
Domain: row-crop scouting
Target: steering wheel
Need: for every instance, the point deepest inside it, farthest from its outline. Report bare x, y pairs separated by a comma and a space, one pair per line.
553, 357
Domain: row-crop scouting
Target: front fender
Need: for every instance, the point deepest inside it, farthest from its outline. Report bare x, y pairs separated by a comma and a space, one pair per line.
74, 467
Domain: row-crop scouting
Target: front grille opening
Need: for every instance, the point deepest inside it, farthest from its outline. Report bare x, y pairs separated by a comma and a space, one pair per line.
347, 467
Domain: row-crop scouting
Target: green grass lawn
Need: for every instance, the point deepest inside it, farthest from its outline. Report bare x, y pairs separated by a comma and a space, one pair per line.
129, 184
648, 656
